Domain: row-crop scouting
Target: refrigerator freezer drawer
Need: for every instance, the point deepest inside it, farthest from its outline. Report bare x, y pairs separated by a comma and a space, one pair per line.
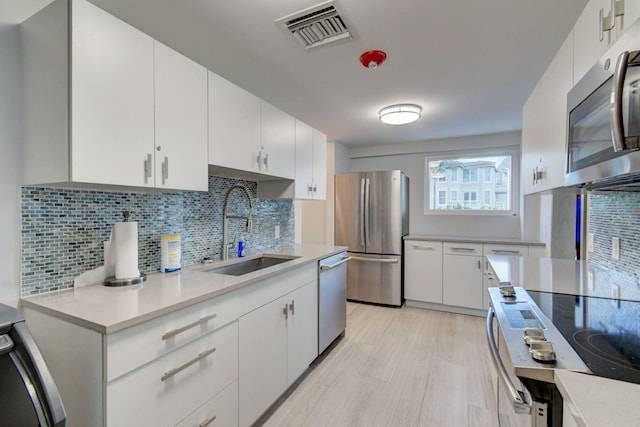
375, 278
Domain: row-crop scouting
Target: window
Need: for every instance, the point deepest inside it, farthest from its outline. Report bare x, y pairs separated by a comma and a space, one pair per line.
470, 175
479, 181
487, 174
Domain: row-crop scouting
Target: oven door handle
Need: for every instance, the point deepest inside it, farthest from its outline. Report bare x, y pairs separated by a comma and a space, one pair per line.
521, 399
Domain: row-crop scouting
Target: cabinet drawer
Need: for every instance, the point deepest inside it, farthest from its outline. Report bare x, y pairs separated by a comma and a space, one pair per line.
222, 410
163, 392
516, 250
135, 346
462, 248
423, 246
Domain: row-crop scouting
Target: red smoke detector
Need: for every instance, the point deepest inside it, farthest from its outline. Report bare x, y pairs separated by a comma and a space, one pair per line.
373, 58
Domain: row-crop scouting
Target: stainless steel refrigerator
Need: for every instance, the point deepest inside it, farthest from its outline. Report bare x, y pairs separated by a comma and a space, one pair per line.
372, 216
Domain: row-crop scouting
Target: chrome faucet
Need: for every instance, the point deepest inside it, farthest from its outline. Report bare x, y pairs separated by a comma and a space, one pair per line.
225, 217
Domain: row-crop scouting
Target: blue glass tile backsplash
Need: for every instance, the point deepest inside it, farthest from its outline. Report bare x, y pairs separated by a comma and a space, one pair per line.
63, 230
616, 214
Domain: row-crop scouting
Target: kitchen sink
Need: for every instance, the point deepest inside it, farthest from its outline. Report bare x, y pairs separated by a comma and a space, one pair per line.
251, 265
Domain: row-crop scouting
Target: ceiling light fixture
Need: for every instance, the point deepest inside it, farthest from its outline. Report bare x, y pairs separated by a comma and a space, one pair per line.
372, 58
400, 114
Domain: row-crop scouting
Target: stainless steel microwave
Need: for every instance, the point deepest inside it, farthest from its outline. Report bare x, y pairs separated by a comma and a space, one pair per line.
603, 137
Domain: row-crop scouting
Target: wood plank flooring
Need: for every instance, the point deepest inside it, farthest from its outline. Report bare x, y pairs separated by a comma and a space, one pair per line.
398, 367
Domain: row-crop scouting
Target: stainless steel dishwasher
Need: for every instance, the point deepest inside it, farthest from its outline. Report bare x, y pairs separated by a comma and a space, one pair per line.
332, 299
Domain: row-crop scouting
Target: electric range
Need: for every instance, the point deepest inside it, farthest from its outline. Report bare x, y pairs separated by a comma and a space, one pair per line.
605, 333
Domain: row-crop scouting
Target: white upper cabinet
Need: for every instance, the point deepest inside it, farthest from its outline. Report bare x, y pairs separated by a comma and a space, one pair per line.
110, 90
248, 134
544, 125
591, 36
112, 107
234, 125
181, 144
311, 162
278, 142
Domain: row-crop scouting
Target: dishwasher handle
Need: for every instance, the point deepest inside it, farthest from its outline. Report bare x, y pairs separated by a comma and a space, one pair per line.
380, 260
325, 267
521, 399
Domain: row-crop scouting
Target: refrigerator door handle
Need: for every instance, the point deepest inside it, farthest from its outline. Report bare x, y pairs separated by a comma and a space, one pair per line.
362, 211
367, 195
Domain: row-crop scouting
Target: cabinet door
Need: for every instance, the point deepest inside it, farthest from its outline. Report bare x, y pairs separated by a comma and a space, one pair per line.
462, 281
278, 142
531, 135
262, 359
587, 37
234, 125
302, 330
319, 165
423, 271
112, 126
180, 121
304, 160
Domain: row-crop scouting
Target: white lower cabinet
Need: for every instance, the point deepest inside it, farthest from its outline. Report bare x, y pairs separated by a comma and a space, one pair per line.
161, 392
221, 410
277, 343
454, 274
423, 271
462, 275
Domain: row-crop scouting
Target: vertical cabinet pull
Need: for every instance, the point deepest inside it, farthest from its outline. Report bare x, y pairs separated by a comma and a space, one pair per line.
285, 311
147, 167
259, 159
479, 265
206, 422
266, 161
292, 307
165, 169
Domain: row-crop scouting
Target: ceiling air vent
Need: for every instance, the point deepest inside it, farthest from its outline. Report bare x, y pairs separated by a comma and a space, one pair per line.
320, 25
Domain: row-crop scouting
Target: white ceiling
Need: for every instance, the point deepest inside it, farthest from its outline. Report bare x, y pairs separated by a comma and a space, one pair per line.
470, 64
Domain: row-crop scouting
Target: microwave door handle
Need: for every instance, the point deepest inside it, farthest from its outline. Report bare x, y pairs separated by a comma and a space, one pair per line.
617, 124
521, 400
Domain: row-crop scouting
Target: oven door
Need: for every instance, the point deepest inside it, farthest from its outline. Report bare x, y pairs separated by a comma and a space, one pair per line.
514, 403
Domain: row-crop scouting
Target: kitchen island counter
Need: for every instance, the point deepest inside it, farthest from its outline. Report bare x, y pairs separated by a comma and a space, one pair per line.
110, 309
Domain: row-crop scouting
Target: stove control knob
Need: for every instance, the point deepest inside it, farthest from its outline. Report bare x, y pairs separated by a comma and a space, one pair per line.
542, 351
507, 290
533, 334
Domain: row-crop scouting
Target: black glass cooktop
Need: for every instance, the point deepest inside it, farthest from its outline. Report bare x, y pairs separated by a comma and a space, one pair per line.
604, 332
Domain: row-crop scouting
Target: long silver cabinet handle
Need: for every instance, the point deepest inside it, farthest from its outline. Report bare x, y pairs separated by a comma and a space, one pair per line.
165, 169
292, 307
463, 249
615, 107
285, 311
177, 331
521, 400
383, 260
196, 359
148, 167
423, 248
504, 251
206, 422
325, 267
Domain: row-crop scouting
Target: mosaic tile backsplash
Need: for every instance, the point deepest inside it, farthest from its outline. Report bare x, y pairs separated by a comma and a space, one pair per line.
63, 230
616, 214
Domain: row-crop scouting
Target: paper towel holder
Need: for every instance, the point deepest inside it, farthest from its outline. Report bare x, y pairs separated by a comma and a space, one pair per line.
112, 281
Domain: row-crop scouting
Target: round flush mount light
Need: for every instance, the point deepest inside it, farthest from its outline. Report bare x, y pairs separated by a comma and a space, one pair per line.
372, 58
400, 114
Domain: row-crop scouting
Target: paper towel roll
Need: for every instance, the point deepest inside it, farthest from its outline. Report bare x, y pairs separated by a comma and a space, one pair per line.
126, 254
110, 256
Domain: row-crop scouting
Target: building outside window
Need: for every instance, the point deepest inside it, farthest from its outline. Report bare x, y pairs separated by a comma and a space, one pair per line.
486, 184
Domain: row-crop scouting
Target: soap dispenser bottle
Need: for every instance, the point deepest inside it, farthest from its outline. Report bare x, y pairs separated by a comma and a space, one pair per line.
242, 250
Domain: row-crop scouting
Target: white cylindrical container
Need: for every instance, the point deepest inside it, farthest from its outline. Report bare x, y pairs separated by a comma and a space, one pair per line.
171, 253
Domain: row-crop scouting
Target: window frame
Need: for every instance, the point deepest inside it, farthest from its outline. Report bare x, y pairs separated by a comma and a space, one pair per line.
514, 181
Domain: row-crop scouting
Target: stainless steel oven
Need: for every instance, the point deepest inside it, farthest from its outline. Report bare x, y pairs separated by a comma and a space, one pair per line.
28, 394
526, 349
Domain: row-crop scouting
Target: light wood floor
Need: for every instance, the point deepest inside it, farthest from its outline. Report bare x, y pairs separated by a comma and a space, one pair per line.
398, 367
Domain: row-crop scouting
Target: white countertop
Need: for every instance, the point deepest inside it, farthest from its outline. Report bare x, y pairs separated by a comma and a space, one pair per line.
599, 402
458, 239
593, 401
110, 309
564, 276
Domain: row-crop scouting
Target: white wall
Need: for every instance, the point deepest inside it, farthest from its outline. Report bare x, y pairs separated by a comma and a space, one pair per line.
410, 158
10, 162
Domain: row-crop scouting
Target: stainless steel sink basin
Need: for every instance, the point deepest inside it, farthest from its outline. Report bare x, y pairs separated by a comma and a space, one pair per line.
250, 265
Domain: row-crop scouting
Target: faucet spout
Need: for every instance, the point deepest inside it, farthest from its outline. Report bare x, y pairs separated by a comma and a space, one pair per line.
225, 217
